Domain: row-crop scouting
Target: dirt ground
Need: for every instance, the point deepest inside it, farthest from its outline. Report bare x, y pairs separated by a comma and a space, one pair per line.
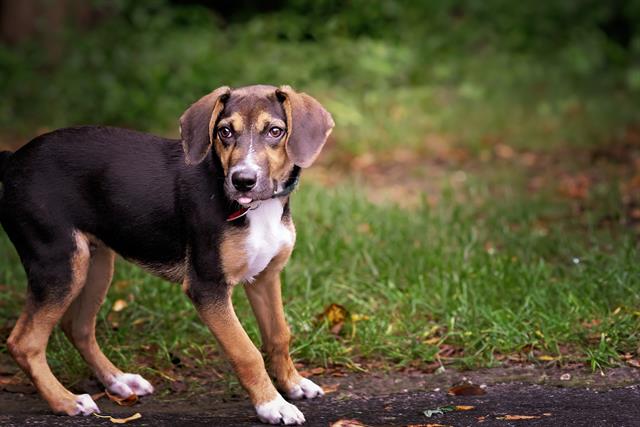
524, 395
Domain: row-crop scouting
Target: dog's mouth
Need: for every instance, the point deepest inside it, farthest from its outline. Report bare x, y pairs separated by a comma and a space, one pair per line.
244, 200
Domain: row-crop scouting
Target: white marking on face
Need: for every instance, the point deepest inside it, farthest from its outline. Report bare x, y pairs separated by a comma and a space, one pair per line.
279, 411
124, 385
305, 389
267, 236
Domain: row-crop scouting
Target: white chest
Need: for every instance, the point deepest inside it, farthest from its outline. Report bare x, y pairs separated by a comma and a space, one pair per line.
266, 238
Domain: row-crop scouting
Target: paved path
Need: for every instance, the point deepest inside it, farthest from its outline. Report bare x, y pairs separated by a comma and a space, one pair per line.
383, 402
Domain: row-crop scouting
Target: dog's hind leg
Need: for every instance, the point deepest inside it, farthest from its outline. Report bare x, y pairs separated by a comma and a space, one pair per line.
56, 270
79, 323
266, 300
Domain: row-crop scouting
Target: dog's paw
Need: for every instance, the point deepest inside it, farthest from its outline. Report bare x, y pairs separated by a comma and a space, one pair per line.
279, 411
124, 385
305, 389
81, 404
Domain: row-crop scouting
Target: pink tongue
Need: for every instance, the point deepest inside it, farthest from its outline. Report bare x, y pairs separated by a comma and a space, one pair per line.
244, 200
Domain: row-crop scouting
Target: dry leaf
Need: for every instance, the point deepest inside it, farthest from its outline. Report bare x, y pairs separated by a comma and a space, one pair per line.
565, 377
464, 407
133, 417
336, 315
98, 396
519, 417
122, 401
428, 425
332, 388
546, 358
348, 423
119, 305
634, 362
466, 389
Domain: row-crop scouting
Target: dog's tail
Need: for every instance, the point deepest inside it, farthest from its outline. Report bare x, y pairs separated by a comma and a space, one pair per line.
4, 162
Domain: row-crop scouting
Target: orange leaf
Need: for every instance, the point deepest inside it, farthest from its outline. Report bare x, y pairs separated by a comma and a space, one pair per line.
464, 407
332, 388
98, 396
119, 305
347, 423
466, 389
133, 417
518, 417
122, 401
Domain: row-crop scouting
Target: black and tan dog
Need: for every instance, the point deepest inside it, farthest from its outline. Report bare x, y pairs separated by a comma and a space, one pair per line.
206, 218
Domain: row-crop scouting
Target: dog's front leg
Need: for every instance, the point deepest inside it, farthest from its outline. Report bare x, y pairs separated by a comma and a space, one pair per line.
266, 300
216, 310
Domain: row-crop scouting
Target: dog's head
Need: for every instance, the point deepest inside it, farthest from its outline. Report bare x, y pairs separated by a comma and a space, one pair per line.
259, 133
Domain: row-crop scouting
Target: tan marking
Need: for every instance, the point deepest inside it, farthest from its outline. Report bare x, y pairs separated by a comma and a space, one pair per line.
279, 163
217, 109
235, 121
79, 321
233, 255
241, 352
224, 154
266, 300
263, 120
28, 340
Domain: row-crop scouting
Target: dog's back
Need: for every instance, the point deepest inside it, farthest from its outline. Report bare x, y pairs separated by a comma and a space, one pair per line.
116, 184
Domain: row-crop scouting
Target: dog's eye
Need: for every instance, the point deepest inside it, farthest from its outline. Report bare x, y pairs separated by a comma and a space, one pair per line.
225, 132
276, 132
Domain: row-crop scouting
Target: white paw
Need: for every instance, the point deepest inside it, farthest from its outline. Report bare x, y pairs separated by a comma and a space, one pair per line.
279, 411
124, 385
85, 405
305, 389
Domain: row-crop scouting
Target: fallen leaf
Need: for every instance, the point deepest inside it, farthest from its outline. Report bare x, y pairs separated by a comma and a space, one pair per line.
519, 417
546, 358
335, 315
348, 423
432, 341
331, 388
466, 389
119, 305
122, 401
464, 407
565, 377
133, 417
634, 362
98, 396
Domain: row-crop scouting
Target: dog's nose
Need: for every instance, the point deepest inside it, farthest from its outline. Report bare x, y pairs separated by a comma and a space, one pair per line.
244, 180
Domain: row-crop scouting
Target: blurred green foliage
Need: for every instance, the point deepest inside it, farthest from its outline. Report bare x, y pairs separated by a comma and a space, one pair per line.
390, 71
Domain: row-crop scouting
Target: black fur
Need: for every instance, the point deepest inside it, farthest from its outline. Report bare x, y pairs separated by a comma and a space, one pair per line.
131, 190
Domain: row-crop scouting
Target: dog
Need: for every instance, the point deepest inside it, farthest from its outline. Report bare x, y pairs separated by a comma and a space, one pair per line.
209, 211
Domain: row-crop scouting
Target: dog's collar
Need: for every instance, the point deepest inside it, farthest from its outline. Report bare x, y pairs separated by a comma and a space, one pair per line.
291, 183
289, 186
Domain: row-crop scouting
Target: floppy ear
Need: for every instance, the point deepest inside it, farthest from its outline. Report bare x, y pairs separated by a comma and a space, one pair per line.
308, 125
196, 124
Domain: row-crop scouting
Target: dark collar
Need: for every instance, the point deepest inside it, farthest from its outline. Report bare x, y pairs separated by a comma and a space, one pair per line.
289, 186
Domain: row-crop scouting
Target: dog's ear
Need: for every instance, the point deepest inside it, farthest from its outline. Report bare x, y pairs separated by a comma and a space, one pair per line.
308, 126
196, 124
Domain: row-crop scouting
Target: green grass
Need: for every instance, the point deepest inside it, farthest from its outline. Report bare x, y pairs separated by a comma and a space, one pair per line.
416, 274
493, 269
